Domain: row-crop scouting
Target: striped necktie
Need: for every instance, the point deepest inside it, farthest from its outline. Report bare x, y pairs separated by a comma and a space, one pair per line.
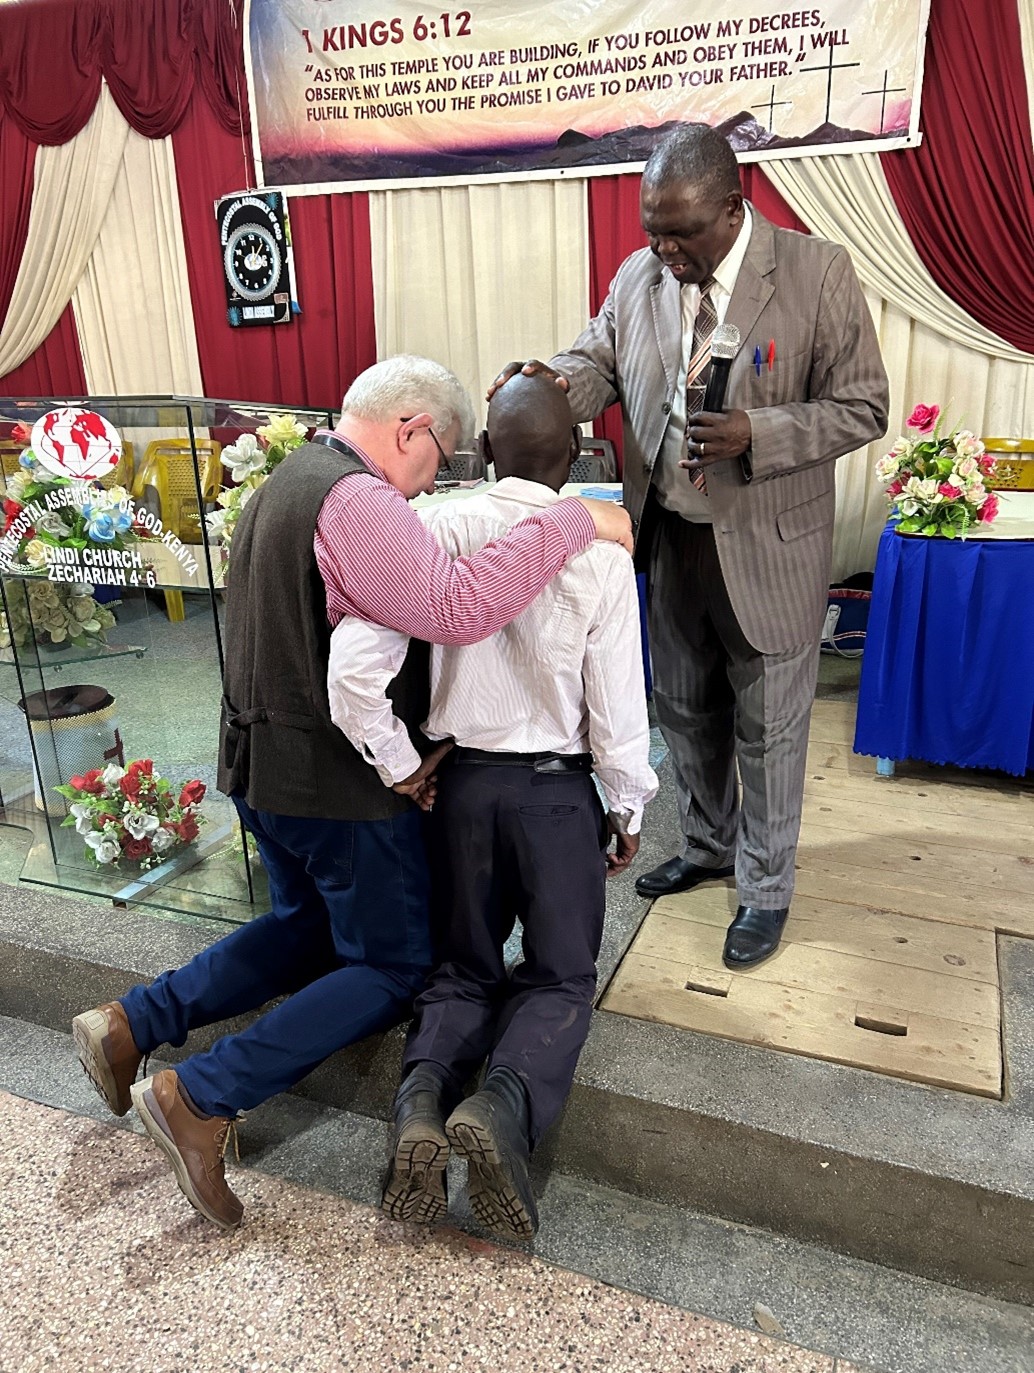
699, 369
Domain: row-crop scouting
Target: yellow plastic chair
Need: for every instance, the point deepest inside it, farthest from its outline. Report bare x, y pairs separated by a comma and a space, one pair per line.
1014, 464
167, 470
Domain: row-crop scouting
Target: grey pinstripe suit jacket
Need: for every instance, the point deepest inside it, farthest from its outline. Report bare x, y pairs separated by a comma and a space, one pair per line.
825, 396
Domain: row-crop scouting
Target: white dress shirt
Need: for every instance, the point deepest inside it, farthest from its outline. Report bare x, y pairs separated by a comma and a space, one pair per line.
566, 676
674, 489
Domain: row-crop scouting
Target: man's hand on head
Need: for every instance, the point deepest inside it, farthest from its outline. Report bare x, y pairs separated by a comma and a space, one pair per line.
716, 437
531, 368
612, 521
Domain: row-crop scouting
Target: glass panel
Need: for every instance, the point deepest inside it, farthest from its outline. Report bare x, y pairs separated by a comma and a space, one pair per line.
111, 644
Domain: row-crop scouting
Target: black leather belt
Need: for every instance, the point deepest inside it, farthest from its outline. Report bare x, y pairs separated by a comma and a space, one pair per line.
541, 762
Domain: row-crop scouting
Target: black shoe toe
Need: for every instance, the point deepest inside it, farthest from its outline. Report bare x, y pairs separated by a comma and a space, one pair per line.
753, 935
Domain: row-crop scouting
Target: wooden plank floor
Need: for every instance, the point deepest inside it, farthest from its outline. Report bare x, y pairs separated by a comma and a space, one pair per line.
889, 959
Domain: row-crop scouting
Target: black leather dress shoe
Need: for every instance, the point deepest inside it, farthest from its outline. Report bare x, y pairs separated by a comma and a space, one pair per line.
752, 936
414, 1188
678, 874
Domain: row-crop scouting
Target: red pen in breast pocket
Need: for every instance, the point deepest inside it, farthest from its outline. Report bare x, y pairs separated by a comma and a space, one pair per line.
771, 353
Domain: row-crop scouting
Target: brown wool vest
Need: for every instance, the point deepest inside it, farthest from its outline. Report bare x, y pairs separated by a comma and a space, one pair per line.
278, 745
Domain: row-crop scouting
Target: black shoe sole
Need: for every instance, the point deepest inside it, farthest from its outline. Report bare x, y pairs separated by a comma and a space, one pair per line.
500, 1194
416, 1187
712, 875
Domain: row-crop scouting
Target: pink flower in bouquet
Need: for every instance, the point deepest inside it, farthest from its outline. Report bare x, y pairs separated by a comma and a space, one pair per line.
987, 463
21, 433
923, 418
895, 487
988, 509
949, 492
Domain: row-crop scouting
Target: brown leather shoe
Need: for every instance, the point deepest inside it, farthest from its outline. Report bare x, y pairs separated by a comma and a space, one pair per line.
195, 1146
108, 1053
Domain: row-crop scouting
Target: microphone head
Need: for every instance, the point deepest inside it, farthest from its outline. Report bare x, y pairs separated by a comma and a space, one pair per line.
725, 341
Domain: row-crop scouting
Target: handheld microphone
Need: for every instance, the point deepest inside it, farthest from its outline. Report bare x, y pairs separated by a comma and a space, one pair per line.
725, 344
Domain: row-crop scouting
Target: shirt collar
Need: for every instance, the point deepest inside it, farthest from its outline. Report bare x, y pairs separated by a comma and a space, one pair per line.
526, 492
728, 269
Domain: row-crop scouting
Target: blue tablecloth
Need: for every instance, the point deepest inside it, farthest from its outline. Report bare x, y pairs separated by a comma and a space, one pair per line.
948, 670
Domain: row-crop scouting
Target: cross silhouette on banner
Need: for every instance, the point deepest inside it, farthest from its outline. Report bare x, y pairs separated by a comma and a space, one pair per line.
829, 68
116, 752
884, 91
770, 105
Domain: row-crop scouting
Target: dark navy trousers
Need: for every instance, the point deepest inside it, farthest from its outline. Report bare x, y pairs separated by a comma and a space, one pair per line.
347, 943
506, 843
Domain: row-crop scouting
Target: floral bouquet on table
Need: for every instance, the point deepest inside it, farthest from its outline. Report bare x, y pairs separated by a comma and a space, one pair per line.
936, 484
54, 613
250, 461
132, 814
75, 514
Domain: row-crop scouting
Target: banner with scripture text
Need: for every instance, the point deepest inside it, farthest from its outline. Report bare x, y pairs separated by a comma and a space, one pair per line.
369, 93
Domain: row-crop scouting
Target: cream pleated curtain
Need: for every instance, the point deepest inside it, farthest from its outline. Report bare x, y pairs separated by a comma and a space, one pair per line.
934, 352
132, 302
105, 232
475, 276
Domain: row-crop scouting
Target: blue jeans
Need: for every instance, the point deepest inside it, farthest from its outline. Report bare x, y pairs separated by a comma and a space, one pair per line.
347, 942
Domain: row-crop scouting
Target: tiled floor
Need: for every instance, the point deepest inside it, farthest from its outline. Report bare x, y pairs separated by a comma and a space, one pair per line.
104, 1266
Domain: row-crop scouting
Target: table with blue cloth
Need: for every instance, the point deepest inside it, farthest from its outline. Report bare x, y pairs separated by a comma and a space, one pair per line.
948, 669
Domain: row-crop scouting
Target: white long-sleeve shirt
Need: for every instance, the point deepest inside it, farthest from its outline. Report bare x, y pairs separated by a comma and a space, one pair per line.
566, 676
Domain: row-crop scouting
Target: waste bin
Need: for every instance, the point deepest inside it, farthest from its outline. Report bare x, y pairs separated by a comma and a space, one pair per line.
74, 729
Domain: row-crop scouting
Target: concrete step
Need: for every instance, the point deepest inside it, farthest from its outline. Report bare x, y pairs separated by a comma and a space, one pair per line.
843, 1307
923, 1180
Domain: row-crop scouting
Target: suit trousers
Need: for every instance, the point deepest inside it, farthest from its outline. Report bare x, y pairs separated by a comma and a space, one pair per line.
721, 703
508, 843
347, 943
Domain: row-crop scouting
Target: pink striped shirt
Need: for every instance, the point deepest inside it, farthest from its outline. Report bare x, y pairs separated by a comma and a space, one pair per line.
379, 562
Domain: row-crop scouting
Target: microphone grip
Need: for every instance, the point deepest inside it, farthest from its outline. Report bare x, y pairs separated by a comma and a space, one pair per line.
717, 384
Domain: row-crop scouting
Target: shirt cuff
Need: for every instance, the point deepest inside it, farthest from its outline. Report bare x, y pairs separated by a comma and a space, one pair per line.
393, 763
576, 524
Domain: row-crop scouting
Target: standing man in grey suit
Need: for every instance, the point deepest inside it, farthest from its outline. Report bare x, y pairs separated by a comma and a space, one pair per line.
734, 510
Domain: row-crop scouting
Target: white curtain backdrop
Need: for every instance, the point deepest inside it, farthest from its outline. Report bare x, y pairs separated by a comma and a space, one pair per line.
934, 352
71, 193
132, 302
475, 276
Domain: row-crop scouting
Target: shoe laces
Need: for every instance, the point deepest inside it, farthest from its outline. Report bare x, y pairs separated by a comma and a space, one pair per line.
228, 1131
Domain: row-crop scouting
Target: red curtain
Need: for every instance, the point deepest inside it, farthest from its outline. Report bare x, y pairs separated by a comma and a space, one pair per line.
311, 360
615, 232
966, 194
54, 369
152, 53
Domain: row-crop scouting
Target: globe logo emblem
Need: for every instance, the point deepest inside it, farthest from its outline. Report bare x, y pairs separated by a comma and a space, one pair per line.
76, 443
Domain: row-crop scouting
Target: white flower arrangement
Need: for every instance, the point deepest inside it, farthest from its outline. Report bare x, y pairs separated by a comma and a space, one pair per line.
250, 461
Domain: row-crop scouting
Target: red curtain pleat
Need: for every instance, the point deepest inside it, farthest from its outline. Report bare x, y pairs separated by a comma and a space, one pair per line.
54, 369
313, 359
152, 53
966, 194
615, 232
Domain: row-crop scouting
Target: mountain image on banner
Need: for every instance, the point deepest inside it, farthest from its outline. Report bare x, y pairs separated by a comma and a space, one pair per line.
571, 150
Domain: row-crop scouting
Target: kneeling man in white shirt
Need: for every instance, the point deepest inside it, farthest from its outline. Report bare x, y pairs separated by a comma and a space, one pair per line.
517, 830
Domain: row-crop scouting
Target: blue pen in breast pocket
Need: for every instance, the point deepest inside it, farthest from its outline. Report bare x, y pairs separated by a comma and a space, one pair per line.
757, 360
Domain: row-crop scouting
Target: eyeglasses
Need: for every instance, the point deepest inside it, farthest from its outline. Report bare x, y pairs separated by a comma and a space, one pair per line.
443, 459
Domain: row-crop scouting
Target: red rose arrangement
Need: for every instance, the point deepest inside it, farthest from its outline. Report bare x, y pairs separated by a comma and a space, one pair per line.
133, 814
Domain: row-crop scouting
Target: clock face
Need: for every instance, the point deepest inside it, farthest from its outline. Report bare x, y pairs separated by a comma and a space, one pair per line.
252, 260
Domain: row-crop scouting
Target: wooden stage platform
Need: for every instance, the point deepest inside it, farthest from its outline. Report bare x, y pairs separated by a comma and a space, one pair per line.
889, 959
